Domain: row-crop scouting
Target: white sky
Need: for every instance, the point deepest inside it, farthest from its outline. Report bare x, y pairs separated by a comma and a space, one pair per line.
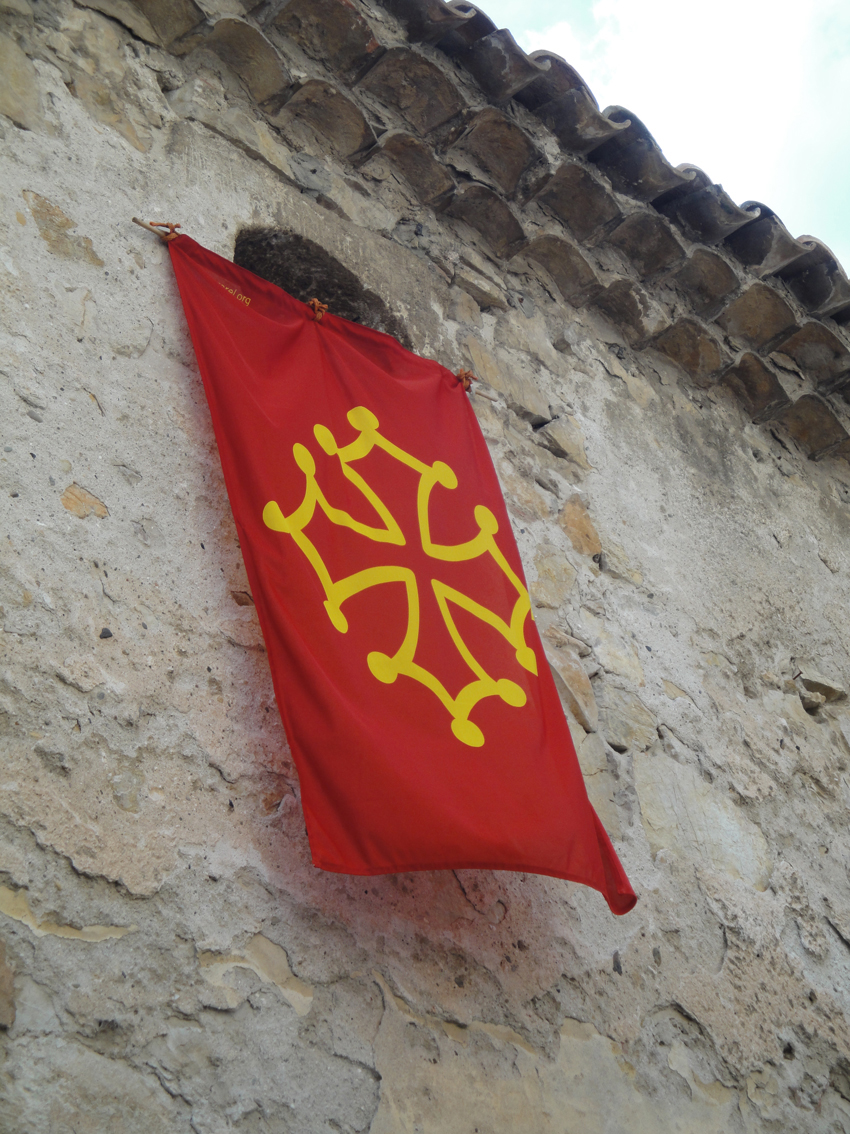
755, 92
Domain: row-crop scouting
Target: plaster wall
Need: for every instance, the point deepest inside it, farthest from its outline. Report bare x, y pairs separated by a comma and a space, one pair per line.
171, 961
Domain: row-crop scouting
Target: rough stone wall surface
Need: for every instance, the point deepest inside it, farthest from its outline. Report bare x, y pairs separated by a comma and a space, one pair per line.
169, 960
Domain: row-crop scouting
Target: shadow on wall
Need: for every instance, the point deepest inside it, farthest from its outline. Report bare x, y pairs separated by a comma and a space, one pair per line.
304, 269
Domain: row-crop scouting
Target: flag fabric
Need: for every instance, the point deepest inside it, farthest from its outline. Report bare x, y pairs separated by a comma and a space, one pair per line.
418, 703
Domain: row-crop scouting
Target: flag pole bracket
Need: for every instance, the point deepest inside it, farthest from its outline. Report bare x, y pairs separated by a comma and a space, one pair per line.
155, 226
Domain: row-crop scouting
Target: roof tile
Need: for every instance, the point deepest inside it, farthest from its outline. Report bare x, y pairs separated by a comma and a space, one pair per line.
499, 147
247, 51
415, 87
487, 213
765, 246
648, 241
627, 305
633, 160
332, 31
428, 21
428, 178
758, 317
757, 386
579, 199
813, 426
820, 353
706, 280
335, 118
565, 263
695, 348
705, 212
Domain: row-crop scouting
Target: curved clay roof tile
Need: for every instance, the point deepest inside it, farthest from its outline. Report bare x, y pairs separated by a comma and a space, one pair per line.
578, 198
758, 318
170, 20
572, 274
707, 281
500, 66
428, 178
558, 78
427, 21
487, 213
766, 246
648, 241
633, 161
247, 52
709, 214
815, 428
474, 26
415, 87
331, 31
331, 115
497, 146
821, 354
576, 122
819, 281
757, 385
696, 348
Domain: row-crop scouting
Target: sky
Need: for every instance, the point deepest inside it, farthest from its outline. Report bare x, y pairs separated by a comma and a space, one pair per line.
754, 92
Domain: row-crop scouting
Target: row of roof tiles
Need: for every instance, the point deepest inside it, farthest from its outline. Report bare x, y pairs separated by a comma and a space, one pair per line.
717, 287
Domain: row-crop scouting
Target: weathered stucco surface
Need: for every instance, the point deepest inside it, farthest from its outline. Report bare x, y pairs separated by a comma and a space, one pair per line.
169, 960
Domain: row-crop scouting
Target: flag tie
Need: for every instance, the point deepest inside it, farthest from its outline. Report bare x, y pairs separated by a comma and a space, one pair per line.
466, 378
317, 308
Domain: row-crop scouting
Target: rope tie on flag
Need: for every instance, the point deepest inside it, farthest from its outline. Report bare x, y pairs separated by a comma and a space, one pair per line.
317, 308
466, 378
155, 226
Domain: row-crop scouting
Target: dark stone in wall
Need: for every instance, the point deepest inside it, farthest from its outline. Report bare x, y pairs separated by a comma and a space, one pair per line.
304, 270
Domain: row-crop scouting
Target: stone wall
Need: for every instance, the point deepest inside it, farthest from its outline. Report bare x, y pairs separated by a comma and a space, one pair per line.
652, 385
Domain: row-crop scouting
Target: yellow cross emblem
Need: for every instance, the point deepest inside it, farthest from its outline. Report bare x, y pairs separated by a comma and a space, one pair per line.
382, 666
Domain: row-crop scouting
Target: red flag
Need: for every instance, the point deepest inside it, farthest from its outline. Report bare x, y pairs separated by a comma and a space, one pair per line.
414, 690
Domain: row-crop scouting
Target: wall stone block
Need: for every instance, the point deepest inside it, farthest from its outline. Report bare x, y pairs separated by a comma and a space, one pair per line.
681, 812
625, 721
576, 522
574, 686
19, 94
